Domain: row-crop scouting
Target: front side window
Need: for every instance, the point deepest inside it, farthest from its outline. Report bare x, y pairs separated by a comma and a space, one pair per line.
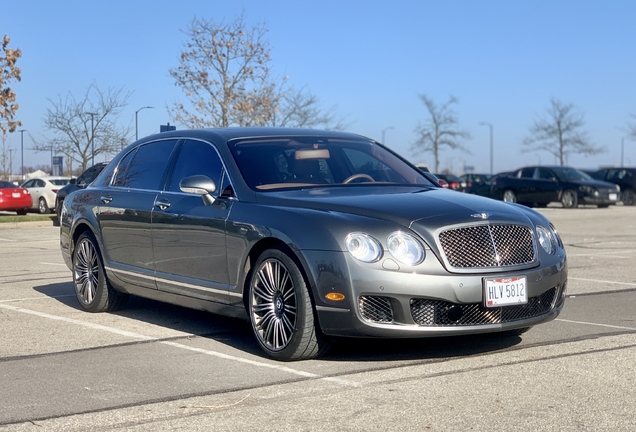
196, 158
147, 166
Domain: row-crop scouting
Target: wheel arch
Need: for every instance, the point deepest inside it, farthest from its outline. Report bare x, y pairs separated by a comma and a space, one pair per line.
273, 243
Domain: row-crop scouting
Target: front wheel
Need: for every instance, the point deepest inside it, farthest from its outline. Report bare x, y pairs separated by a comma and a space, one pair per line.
569, 199
628, 197
280, 309
92, 289
509, 196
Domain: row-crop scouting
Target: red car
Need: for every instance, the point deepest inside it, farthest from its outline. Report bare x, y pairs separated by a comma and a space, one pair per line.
14, 198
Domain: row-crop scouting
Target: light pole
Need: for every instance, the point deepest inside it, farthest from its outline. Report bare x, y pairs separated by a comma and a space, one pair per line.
92, 135
623, 149
10, 164
137, 121
383, 133
491, 149
22, 151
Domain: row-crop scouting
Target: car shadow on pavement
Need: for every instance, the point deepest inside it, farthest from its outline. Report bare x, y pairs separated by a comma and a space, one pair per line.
236, 333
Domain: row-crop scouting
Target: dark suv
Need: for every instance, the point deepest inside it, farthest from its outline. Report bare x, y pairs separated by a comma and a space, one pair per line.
623, 177
81, 182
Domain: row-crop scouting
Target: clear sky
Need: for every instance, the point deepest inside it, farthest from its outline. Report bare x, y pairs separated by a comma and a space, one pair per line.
370, 59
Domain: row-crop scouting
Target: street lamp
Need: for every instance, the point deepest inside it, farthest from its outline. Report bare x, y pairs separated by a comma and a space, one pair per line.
384, 130
491, 150
10, 164
137, 122
623, 149
22, 150
92, 134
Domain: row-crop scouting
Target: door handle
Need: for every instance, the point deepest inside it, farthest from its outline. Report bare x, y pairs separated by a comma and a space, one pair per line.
163, 204
106, 199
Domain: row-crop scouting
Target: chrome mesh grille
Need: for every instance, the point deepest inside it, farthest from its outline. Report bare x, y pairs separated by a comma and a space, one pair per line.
375, 309
442, 313
488, 246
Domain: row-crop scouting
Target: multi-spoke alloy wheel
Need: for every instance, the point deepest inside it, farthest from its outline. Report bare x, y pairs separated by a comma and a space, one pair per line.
280, 309
86, 272
92, 289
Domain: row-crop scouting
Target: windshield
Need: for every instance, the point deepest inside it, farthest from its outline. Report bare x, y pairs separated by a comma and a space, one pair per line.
275, 163
571, 174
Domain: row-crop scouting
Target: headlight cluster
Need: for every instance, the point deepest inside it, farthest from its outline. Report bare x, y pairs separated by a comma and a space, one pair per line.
402, 246
548, 239
588, 190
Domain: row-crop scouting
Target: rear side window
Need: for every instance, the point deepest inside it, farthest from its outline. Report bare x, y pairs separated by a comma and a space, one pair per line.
527, 172
147, 166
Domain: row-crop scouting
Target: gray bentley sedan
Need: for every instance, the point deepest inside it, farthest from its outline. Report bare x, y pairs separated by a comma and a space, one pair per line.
309, 235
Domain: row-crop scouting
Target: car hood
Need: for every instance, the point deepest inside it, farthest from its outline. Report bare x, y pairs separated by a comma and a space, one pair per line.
423, 210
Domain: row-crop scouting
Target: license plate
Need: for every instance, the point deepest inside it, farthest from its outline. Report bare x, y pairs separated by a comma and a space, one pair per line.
613, 197
505, 291
15, 194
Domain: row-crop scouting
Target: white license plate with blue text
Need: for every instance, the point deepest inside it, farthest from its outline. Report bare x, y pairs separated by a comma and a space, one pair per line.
505, 291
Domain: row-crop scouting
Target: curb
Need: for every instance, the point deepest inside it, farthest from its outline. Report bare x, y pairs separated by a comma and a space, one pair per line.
28, 224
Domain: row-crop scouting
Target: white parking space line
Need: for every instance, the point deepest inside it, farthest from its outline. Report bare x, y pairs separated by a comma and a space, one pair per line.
36, 298
603, 281
8, 240
596, 324
180, 346
54, 264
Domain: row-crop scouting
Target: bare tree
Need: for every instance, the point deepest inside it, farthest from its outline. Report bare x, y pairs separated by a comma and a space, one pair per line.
6, 159
88, 127
631, 127
8, 72
441, 130
560, 133
225, 73
300, 108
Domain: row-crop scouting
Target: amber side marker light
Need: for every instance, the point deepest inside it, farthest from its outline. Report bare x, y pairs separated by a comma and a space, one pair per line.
335, 296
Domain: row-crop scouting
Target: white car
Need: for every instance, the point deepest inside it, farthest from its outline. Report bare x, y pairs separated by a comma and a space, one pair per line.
43, 191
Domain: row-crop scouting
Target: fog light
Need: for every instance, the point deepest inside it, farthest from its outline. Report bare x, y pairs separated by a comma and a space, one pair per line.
335, 296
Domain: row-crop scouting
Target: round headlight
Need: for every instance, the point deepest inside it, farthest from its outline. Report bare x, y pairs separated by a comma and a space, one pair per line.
405, 248
363, 247
545, 239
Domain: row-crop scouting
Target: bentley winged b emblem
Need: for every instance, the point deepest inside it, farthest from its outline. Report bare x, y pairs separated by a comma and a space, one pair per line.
481, 215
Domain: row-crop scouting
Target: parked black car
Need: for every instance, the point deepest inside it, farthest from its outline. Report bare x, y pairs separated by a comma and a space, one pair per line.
307, 234
625, 178
541, 185
478, 184
80, 183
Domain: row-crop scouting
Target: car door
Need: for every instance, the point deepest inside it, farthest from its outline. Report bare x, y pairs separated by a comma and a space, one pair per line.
548, 187
124, 213
189, 238
527, 185
35, 187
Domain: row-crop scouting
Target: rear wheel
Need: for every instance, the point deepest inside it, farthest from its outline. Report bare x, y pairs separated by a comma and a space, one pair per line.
22, 212
42, 206
628, 197
92, 289
569, 199
510, 196
280, 309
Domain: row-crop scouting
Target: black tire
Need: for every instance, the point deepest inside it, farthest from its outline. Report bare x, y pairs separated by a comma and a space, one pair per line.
509, 196
569, 199
628, 197
58, 208
22, 212
280, 309
92, 289
603, 205
43, 206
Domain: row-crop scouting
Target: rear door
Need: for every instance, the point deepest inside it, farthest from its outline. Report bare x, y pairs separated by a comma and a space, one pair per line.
125, 211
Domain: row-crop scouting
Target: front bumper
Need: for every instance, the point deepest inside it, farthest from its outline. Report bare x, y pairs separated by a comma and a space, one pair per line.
393, 304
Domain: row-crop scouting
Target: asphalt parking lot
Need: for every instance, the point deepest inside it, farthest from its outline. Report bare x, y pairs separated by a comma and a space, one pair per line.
158, 367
